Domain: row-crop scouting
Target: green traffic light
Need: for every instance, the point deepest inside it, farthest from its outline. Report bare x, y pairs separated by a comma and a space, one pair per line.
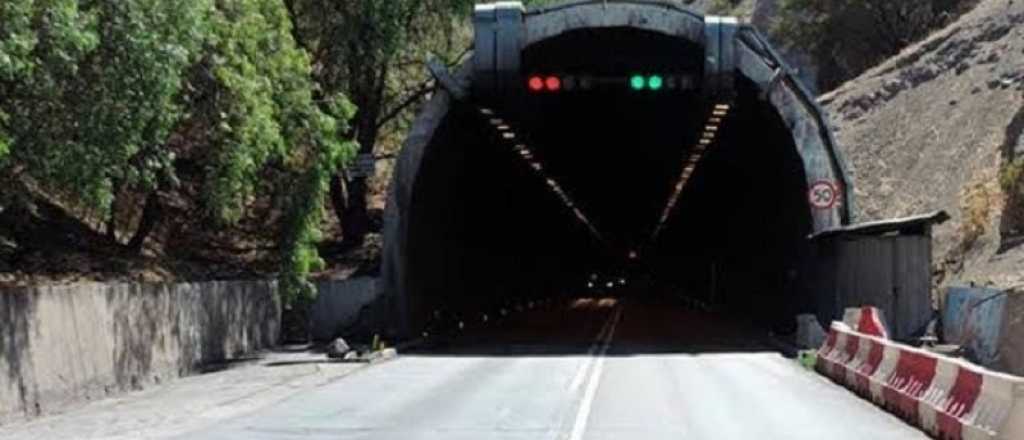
655, 82
638, 82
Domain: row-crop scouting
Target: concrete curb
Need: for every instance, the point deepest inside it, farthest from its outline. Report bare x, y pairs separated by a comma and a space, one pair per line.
411, 344
381, 356
788, 350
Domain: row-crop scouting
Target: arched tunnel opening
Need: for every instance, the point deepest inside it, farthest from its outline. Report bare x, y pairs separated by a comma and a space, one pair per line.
485, 226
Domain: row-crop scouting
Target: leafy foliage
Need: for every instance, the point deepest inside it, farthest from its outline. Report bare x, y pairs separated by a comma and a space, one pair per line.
265, 111
374, 53
725, 7
103, 98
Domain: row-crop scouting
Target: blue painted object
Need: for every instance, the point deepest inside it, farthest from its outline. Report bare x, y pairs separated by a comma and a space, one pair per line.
973, 319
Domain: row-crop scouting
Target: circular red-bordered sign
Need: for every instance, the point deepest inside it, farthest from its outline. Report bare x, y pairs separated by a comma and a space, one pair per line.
823, 195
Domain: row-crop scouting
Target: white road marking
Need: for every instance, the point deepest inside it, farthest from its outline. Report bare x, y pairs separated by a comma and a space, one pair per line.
583, 414
581, 373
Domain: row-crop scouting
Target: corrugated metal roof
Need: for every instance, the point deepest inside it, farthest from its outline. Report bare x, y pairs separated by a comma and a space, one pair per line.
917, 224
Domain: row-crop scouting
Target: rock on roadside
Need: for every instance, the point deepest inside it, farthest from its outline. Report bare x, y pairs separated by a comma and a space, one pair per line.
337, 349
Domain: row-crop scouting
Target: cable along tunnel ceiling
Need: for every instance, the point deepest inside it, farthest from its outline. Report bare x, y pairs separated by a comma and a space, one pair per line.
532, 191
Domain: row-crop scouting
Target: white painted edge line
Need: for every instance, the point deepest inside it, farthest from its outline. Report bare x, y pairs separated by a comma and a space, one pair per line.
580, 426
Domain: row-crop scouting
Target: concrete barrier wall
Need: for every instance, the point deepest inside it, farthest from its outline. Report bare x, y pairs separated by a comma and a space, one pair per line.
66, 344
949, 398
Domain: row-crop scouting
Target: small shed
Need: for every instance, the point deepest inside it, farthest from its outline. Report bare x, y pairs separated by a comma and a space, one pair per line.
886, 264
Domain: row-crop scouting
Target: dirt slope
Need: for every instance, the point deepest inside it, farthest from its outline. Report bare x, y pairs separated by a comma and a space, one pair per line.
932, 128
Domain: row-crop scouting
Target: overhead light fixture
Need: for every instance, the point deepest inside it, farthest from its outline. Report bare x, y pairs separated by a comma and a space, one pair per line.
718, 113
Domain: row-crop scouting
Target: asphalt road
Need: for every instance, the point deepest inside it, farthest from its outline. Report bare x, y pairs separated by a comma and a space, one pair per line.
595, 370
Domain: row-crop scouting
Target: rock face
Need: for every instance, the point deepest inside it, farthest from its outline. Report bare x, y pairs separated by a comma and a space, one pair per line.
933, 127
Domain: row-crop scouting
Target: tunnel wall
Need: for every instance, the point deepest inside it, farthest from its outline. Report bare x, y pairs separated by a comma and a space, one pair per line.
755, 60
394, 281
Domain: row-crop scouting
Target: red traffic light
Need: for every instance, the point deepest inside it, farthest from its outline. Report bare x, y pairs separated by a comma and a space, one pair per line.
553, 83
539, 83
536, 84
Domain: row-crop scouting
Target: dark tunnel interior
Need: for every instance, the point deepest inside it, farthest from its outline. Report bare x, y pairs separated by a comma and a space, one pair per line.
485, 227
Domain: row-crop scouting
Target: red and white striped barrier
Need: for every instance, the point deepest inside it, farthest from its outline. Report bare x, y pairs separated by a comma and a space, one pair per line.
949, 398
867, 320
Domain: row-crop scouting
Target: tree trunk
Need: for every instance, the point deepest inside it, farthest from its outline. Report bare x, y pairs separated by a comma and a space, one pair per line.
152, 212
110, 226
339, 195
354, 219
349, 200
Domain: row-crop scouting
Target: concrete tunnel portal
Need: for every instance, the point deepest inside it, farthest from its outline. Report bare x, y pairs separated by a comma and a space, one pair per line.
704, 179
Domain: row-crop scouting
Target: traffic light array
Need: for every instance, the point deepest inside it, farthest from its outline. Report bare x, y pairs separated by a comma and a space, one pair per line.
642, 82
538, 84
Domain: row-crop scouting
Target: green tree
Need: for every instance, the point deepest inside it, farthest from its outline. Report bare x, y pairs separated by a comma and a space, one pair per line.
33, 63
374, 52
254, 102
264, 101
86, 109
102, 100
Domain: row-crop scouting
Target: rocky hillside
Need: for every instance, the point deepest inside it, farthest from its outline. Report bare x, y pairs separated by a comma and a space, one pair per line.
940, 127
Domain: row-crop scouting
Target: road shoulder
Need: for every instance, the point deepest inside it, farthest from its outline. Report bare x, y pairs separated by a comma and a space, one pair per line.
191, 403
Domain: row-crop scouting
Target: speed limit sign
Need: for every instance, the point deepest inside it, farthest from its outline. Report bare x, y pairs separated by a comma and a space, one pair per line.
823, 195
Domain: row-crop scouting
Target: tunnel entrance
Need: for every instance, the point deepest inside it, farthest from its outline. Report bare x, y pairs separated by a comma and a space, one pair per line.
533, 195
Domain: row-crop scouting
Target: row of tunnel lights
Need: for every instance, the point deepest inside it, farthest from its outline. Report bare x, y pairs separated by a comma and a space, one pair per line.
707, 137
519, 146
718, 114
636, 82
461, 323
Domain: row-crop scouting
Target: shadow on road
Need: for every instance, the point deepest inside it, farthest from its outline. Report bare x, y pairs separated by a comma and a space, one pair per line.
574, 329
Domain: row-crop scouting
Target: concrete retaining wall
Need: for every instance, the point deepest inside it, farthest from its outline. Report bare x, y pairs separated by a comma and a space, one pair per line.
346, 308
62, 345
989, 323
